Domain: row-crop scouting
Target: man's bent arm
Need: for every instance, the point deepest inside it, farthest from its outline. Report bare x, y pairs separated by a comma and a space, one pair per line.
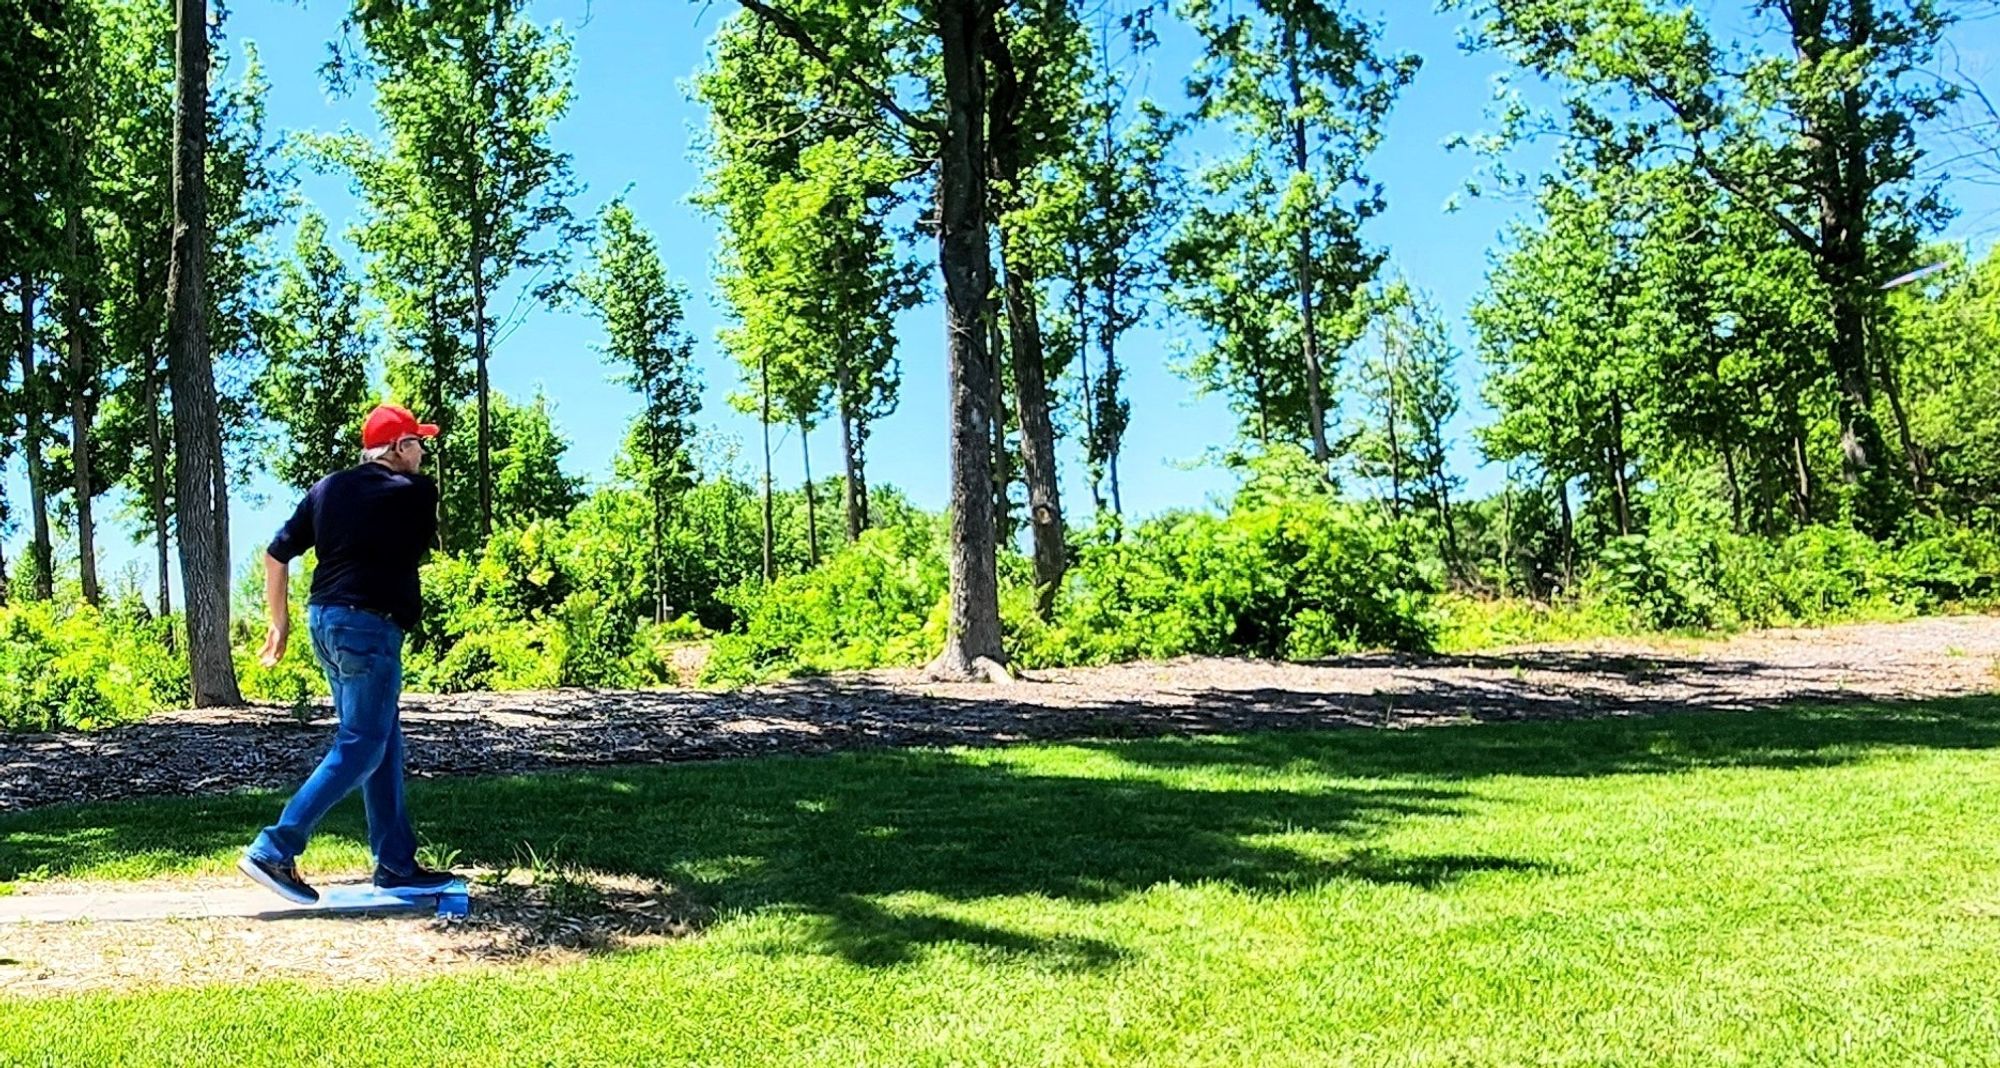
278, 593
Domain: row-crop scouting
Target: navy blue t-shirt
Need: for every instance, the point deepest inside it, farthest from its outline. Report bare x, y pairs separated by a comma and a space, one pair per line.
371, 526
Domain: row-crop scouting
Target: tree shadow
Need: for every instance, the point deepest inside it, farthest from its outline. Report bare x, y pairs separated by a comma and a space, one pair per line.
1640, 741
874, 853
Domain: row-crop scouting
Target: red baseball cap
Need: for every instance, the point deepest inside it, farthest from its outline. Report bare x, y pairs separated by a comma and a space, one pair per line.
388, 424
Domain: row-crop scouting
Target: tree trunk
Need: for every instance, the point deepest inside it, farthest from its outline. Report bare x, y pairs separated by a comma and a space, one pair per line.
656, 499
1010, 155
443, 413
1003, 469
1735, 488
485, 387
197, 427
1440, 478
1107, 386
1860, 437
1838, 143
854, 490
1395, 451
1263, 407
1802, 474
41, 554
973, 645
1453, 560
1621, 489
1913, 454
812, 498
1038, 434
81, 384
483, 91
156, 483
219, 483
1568, 536
1089, 397
764, 388
1301, 163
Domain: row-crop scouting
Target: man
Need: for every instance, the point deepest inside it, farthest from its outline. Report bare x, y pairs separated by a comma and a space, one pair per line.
371, 526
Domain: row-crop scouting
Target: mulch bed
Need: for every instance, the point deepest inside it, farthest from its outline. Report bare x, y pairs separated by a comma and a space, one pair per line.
214, 751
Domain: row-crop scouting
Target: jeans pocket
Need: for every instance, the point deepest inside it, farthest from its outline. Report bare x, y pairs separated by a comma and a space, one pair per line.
356, 651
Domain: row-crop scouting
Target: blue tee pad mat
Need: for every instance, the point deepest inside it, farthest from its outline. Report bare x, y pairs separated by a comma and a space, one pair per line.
365, 897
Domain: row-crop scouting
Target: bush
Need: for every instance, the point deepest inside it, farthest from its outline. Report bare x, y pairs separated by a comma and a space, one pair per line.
501, 654
1687, 578
1950, 563
597, 643
1666, 581
1299, 581
878, 601
295, 681
83, 668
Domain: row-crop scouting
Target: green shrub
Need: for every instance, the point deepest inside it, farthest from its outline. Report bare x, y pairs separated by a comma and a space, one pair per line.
1300, 580
875, 602
1666, 581
1950, 563
295, 681
490, 653
597, 642
82, 668
1827, 573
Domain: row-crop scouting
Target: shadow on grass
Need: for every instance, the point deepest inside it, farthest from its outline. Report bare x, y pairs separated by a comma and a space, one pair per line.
1787, 737
836, 840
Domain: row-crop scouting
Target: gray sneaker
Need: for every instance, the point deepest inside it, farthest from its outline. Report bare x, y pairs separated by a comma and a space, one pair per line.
281, 878
421, 880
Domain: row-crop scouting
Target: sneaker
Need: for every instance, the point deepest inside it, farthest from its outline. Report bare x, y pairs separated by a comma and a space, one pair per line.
279, 877
421, 880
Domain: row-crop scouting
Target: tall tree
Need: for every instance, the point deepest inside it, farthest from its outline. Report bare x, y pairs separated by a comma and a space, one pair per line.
1551, 329
808, 268
951, 128
133, 170
1038, 56
38, 43
529, 482
204, 511
81, 283
642, 315
244, 197
1813, 123
1229, 276
468, 92
315, 386
1943, 337
1408, 399
1302, 81
1131, 187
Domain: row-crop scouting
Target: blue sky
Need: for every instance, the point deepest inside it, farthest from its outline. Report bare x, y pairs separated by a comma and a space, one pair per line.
631, 131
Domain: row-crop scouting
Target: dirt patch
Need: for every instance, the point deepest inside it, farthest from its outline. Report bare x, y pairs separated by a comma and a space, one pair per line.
213, 751
517, 920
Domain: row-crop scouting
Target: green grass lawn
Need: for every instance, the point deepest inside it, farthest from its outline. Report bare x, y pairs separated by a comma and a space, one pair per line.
1808, 887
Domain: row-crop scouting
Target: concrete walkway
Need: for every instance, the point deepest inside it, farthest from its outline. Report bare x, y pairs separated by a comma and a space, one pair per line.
104, 906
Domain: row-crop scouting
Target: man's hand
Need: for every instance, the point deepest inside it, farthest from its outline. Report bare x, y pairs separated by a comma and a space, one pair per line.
274, 646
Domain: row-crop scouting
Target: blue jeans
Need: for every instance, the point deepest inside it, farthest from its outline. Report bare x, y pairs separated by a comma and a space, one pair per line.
362, 654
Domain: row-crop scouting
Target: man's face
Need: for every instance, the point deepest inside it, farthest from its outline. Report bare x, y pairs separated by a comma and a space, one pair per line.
407, 455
